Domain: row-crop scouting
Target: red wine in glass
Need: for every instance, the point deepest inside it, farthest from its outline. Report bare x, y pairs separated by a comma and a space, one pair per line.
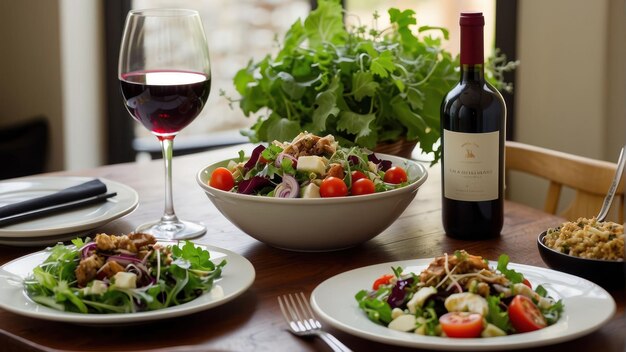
165, 101
164, 71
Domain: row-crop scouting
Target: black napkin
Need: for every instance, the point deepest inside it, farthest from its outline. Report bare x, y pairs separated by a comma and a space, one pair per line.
82, 191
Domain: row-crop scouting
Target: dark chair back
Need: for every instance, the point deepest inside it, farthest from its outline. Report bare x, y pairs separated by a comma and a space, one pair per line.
24, 148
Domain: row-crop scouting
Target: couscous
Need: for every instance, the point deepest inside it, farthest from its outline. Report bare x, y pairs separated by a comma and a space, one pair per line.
588, 238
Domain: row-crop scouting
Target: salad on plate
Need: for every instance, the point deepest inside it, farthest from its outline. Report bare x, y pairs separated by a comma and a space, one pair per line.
309, 166
122, 274
459, 296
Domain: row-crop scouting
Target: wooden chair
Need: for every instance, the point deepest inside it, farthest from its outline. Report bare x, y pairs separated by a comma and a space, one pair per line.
589, 178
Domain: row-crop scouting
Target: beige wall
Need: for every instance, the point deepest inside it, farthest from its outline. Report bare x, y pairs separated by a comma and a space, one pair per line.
570, 84
52, 64
30, 67
616, 78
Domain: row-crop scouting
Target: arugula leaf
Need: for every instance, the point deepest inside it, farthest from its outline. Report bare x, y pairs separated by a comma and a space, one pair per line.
376, 308
510, 274
553, 313
295, 35
325, 24
444, 31
63, 292
497, 316
363, 85
326, 106
413, 122
283, 129
431, 327
383, 64
197, 257
354, 123
541, 291
271, 152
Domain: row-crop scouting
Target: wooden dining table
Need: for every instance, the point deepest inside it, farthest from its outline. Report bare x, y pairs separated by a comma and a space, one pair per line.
253, 320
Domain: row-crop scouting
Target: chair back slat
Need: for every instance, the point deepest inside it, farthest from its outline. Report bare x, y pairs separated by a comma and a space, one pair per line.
590, 178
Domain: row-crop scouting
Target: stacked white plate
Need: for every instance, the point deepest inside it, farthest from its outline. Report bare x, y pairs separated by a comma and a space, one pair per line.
65, 225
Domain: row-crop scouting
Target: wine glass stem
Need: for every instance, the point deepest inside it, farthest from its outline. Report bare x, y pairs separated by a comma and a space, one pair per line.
167, 146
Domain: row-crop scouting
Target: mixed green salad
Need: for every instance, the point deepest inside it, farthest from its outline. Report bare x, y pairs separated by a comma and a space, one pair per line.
460, 296
309, 167
121, 274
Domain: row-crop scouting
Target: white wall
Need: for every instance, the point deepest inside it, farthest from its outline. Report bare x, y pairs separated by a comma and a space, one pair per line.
570, 84
82, 83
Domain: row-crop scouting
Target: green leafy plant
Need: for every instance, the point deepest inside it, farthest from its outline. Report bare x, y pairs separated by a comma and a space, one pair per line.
364, 86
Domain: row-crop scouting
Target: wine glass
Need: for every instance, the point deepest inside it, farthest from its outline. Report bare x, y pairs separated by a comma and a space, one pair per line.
165, 79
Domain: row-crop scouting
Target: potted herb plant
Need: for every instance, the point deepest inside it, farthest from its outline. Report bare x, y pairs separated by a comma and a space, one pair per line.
379, 89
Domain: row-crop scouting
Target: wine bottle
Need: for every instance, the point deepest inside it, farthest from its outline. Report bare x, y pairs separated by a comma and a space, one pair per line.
473, 117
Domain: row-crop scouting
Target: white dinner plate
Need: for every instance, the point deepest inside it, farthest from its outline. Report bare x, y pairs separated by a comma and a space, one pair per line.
61, 226
587, 308
237, 276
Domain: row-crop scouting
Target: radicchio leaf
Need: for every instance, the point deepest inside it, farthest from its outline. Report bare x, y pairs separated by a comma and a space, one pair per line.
254, 158
353, 160
383, 165
252, 185
398, 293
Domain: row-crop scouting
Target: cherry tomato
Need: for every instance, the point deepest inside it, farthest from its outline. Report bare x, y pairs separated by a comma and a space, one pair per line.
461, 324
333, 187
524, 315
222, 178
395, 175
363, 186
527, 283
357, 175
383, 280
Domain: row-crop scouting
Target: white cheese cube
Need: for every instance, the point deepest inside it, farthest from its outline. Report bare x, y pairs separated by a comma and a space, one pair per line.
311, 163
311, 191
396, 312
492, 331
418, 299
403, 323
467, 302
123, 279
97, 287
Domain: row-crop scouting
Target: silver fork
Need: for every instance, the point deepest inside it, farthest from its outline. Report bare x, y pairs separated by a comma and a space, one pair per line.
302, 322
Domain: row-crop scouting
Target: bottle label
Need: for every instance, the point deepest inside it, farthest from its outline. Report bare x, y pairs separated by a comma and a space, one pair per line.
471, 165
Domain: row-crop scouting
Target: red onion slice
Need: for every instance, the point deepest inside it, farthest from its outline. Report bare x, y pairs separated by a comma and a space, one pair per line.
281, 156
87, 250
123, 260
289, 188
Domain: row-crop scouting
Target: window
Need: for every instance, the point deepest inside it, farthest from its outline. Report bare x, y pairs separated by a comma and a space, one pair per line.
440, 13
238, 31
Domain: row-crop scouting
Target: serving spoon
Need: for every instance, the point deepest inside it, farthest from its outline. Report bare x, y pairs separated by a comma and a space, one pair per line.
606, 205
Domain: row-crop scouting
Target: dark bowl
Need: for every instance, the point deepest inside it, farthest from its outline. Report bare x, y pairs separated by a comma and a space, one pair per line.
606, 273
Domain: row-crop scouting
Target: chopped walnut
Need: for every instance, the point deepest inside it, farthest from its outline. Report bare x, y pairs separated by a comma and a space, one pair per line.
88, 268
336, 170
309, 144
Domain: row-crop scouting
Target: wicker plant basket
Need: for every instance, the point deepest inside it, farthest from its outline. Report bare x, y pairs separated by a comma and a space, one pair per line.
401, 148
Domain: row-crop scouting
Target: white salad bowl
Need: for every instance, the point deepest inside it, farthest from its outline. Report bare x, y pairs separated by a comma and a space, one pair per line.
319, 224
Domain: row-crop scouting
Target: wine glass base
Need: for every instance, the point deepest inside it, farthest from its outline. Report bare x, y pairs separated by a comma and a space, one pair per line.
172, 230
